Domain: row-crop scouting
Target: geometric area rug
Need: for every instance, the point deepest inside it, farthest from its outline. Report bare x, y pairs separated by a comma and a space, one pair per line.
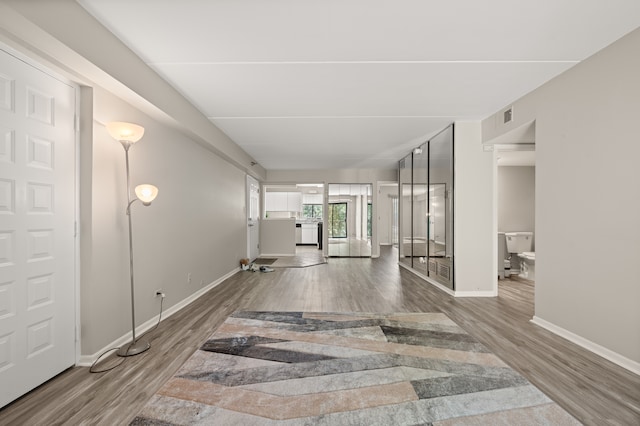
303, 368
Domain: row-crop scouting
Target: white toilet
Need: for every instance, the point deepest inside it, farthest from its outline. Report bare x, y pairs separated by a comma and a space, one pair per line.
521, 243
528, 265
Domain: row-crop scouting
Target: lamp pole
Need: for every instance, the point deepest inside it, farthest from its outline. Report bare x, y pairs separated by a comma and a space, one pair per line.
128, 134
135, 347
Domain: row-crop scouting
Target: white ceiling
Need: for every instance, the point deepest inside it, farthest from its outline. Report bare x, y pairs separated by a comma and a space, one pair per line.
308, 84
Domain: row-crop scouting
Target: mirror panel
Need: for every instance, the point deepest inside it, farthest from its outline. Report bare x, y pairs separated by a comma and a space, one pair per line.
426, 229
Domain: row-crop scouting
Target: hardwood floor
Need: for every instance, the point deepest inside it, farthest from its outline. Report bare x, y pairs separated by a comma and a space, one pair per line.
595, 391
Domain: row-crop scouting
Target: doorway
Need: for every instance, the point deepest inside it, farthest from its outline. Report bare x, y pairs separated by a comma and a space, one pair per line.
515, 206
349, 220
253, 218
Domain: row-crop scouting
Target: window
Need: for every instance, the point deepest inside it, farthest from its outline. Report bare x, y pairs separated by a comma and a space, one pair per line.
337, 220
312, 211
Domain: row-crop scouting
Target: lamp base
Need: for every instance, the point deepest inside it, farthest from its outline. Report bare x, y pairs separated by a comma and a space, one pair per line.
133, 348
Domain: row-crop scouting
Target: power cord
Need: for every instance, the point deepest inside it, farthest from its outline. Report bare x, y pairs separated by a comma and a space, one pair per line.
92, 370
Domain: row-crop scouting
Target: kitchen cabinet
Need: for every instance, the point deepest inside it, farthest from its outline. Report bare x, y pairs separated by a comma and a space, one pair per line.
294, 201
309, 233
275, 202
283, 201
312, 199
298, 234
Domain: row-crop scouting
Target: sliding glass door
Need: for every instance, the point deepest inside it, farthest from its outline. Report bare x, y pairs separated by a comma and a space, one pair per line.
349, 220
337, 220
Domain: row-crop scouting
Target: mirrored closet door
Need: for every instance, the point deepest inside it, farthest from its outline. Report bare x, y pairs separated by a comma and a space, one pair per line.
426, 191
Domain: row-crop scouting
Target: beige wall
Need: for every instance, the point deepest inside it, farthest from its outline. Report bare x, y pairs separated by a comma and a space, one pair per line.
516, 198
474, 240
196, 225
587, 199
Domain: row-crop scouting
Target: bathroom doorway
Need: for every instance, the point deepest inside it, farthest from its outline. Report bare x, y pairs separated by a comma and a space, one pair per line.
515, 210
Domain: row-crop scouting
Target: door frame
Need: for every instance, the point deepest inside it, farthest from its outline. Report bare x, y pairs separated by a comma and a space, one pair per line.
251, 180
497, 148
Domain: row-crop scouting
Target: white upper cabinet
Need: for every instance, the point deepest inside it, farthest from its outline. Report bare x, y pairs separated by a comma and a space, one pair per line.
312, 199
294, 201
275, 201
283, 201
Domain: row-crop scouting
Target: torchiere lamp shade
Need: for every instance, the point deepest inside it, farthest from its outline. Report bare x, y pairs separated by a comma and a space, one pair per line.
146, 193
125, 132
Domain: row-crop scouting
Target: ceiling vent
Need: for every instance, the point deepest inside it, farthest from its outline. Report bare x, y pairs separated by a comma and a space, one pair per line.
508, 115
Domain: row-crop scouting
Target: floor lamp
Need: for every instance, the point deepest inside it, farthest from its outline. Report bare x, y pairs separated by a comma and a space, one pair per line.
128, 134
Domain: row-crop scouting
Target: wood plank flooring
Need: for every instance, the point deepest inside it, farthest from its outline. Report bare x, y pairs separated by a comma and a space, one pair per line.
595, 391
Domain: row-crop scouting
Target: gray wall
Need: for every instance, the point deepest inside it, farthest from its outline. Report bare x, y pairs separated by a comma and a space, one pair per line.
516, 198
587, 176
196, 225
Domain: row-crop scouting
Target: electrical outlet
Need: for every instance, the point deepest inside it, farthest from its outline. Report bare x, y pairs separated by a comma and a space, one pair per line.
189, 278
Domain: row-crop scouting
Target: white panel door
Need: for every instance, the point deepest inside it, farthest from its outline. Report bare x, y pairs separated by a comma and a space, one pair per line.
37, 216
253, 218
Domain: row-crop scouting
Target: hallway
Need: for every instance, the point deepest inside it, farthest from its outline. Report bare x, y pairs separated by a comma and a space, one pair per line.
595, 391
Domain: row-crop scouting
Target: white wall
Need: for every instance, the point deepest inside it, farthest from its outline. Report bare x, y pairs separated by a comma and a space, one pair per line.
516, 198
587, 199
67, 38
331, 176
385, 213
474, 240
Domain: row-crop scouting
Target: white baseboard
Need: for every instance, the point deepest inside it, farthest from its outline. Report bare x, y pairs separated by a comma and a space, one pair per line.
605, 353
489, 293
88, 360
277, 254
